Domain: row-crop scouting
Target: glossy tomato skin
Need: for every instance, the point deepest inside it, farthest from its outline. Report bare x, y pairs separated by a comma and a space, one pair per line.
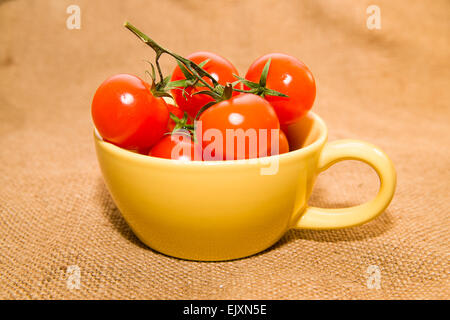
245, 111
126, 113
220, 68
290, 76
187, 149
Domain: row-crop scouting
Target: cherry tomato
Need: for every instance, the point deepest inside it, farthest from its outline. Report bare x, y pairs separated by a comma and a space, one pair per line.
178, 146
127, 114
290, 76
245, 111
220, 68
283, 144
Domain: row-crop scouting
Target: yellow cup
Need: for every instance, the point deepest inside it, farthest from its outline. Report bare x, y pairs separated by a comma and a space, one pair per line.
222, 210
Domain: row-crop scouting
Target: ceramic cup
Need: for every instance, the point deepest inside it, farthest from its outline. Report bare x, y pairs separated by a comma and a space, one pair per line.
223, 210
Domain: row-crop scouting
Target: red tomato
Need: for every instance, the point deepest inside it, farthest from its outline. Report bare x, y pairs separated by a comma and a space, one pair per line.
127, 114
220, 68
178, 146
178, 113
283, 144
290, 76
245, 111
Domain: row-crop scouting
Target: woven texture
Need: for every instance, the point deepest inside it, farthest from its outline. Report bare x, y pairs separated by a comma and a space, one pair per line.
389, 87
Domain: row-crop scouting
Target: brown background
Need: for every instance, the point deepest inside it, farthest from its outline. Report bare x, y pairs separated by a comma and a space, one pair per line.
388, 86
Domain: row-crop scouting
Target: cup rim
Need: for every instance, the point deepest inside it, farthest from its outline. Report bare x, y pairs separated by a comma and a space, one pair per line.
145, 159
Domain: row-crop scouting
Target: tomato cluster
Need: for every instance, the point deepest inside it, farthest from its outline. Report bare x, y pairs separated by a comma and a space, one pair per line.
213, 116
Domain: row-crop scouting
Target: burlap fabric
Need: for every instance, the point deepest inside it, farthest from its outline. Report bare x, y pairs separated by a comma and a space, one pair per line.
388, 86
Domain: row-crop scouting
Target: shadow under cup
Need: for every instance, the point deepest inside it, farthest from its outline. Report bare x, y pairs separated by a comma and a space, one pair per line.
223, 210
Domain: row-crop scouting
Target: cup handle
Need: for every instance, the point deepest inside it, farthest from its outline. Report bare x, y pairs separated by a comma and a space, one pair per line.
321, 218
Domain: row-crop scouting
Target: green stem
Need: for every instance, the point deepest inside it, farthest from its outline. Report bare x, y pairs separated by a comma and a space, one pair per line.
196, 70
158, 67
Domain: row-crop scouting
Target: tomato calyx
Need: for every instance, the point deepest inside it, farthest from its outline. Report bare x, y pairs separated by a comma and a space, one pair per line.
159, 88
225, 94
260, 88
181, 123
182, 126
